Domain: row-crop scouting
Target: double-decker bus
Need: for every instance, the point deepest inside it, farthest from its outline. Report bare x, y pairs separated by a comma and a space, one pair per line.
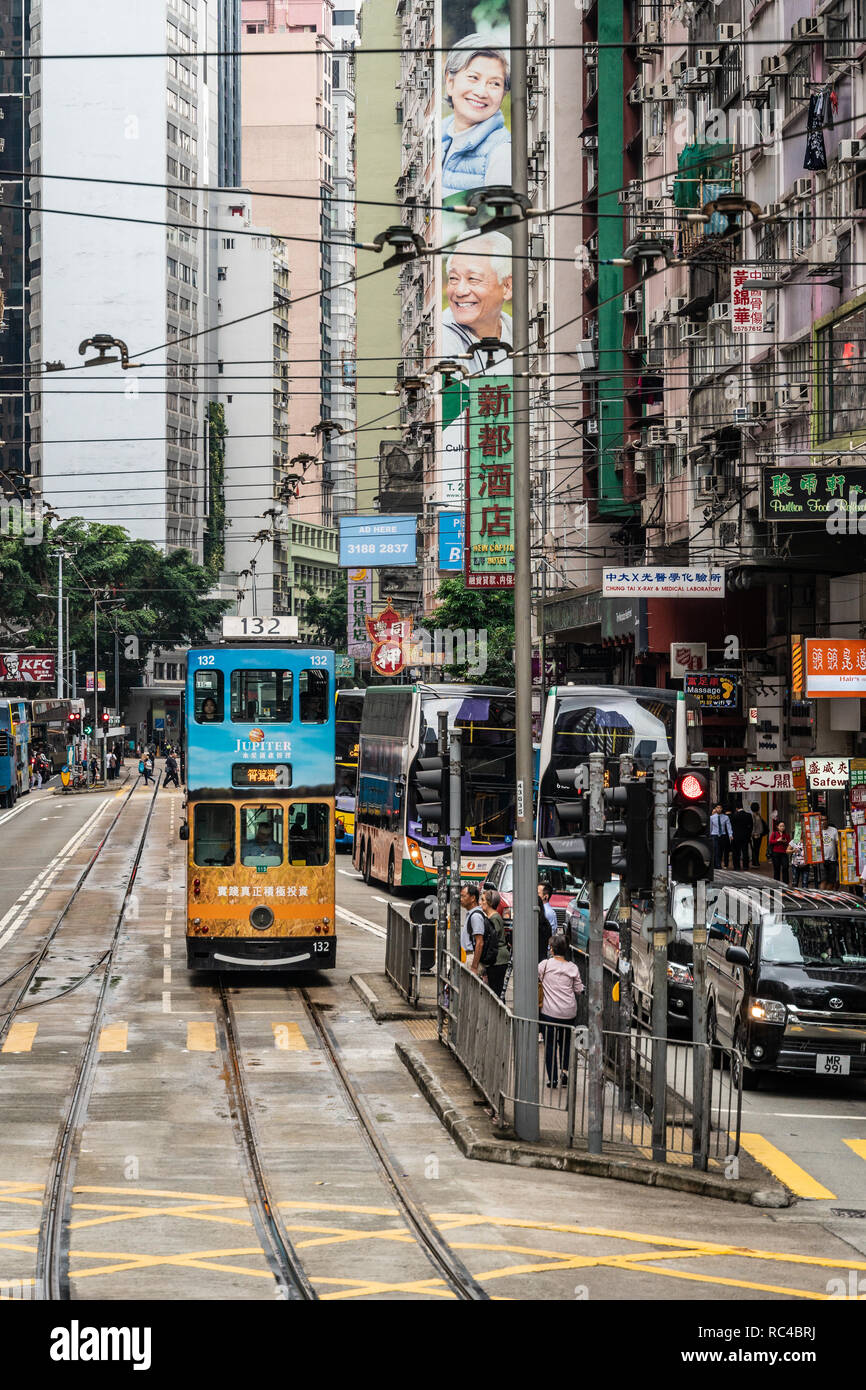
347, 733
401, 724
14, 750
52, 721
260, 787
614, 720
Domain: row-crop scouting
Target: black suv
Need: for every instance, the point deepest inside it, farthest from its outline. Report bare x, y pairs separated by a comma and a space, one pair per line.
786, 976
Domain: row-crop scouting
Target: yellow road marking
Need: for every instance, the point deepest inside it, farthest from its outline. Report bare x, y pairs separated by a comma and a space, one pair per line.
20, 1037
200, 1037
113, 1037
858, 1145
428, 1286
289, 1038
784, 1168
719, 1279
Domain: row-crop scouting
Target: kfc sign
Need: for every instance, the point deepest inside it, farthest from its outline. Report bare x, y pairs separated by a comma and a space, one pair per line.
27, 668
688, 657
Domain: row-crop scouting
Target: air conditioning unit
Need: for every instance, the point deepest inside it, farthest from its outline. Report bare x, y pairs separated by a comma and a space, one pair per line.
852, 151
664, 91
773, 210
676, 425
656, 435
657, 316
824, 251
590, 142
720, 313
711, 484
590, 56
801, 188
707, 57
792, 397
648, 35
755, 89
675, 306
632, 301
635, 92
691, 332
694, 80
641, 457
655, 144
726, 33
809, 27
678, 67
774, 65
590, 424
639, 343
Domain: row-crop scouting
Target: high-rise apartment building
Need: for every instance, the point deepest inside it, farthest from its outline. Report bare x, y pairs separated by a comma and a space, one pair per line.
229, 153
130, 258
343, 303
14, 237
288, 160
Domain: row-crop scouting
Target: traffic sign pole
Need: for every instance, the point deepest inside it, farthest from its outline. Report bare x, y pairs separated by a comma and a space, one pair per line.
595, 970
660, 956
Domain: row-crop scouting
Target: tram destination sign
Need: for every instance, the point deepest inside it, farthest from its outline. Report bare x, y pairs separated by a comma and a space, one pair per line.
261, 775
811, 494
285, 626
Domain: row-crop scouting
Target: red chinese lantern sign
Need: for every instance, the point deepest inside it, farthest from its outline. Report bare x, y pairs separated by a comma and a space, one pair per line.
388, 632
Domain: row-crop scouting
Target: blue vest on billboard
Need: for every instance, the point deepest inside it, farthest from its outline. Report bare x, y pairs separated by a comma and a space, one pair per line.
466, 167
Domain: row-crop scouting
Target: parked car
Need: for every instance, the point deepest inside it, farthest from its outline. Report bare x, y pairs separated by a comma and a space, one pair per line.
577, 913
680, 952
558, 876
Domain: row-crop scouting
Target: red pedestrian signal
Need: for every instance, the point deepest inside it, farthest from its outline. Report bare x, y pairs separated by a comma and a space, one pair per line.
691, 787
691, 850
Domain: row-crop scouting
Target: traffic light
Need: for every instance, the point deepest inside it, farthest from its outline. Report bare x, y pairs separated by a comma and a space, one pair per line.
691, 851
88, 729
73, 724
104, 716
430, 784
589, 856
632, 833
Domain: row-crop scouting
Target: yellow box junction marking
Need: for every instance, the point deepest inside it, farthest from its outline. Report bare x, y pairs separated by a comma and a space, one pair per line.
289, 1038
858, 1145
200, 1037
20, 1037
801, 1183
113, 1037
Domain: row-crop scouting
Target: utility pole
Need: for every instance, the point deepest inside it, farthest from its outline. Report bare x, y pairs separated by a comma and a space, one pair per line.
660, 956
95, 675
455, 802
524, 852
441, 859
595, 970
626, 775
116, 674
702, 1064
60, 647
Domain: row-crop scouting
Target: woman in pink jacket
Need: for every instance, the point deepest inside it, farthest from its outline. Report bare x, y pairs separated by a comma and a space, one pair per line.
561, 984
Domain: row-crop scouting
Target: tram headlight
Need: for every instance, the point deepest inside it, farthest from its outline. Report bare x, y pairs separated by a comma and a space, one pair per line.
261, 918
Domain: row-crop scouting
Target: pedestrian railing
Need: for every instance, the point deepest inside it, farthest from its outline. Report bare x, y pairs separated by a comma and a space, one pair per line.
403, 955
487, 1039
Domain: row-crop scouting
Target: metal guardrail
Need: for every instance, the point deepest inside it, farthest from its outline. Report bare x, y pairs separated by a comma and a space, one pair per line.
483, 1034
403, 955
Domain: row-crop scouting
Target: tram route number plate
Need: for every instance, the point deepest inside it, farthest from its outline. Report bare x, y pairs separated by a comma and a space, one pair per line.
285, 626
832, 1064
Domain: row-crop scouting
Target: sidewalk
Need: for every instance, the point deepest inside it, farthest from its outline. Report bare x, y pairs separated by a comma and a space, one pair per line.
128, 770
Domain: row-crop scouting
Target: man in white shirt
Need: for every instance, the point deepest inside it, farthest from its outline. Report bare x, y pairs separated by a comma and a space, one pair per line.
720, 834
830, 841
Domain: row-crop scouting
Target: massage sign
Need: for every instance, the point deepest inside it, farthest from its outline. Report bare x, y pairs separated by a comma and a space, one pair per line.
490, 485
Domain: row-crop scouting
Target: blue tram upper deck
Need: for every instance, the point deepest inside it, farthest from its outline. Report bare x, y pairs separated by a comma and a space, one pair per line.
260, 717
14, 749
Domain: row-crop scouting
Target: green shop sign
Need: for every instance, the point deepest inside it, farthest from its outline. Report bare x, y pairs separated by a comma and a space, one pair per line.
811, 494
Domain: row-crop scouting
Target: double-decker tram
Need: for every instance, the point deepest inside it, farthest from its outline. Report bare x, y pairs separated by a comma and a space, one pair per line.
350, 707
400, 725
14, 750
260, 788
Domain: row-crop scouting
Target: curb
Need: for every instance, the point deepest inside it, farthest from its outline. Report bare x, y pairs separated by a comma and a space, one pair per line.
102, 788
641, 1171
398, 1011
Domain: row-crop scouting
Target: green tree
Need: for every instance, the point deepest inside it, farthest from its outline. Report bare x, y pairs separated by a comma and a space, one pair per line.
459, 608
163, 596
327, 616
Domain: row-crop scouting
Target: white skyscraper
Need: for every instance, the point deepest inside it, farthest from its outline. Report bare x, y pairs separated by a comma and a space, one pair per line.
123, 146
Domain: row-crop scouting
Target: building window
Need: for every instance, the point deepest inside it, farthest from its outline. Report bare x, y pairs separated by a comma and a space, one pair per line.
840, 376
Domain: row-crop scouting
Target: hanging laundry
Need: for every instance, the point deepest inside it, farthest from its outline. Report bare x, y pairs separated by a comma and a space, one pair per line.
821, 107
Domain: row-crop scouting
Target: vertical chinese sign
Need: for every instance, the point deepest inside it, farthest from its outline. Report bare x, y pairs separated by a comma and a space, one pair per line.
812, 839
747, 305
360, 586
490, 485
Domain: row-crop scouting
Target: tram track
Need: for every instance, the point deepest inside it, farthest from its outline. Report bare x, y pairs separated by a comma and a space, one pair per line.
32, 966
52, 1272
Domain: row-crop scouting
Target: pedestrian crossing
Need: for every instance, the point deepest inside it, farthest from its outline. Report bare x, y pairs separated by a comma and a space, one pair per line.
115, 1038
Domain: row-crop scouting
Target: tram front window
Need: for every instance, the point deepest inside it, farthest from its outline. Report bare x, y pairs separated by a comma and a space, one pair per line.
214, 834
313, 697
309, 838
262, 842
208, 696
262, 697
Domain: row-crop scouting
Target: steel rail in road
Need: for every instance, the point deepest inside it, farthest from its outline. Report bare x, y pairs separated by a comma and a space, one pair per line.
52, 1271
282, 1257
36, 961
438, 1251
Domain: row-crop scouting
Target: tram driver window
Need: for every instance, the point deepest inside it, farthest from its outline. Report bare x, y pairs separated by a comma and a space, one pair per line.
309, 839
262, 697
208, 696
214, 836
313, 697
261, 836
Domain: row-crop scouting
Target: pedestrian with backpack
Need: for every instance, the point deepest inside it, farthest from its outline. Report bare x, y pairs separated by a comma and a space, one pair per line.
472, 931
494, 952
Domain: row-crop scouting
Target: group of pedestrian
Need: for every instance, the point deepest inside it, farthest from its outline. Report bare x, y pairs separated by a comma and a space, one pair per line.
788, 855
40, 769
737, 834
